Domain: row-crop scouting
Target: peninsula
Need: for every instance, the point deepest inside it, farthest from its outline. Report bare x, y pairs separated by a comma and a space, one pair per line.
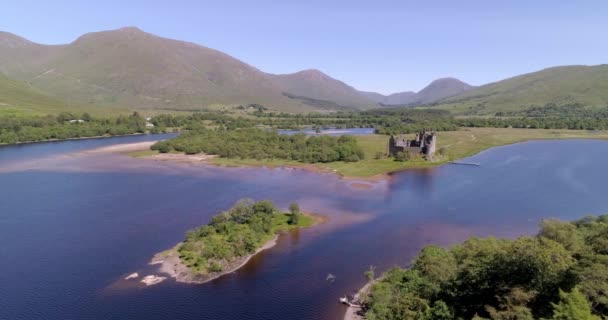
373, 162
229, 240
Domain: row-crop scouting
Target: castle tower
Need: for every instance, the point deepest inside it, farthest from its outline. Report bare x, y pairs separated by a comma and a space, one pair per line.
431, 145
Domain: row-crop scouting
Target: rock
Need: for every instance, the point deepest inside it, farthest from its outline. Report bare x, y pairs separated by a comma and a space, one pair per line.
152, 279
132, 276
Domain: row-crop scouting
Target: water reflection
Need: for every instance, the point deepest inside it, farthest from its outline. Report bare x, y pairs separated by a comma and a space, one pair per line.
76, 224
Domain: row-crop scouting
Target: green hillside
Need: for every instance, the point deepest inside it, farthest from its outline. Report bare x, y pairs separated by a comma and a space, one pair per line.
317, 85
559, 86
17, 98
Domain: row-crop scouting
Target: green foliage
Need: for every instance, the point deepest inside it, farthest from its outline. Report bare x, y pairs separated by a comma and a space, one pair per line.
403, 156
66, 126
572, 306
235, 233
522, 279
261, 144
294, 213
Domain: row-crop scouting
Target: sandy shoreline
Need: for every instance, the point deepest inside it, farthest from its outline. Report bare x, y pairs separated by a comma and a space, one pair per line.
171, 264
205, 159
351, 312
81, 138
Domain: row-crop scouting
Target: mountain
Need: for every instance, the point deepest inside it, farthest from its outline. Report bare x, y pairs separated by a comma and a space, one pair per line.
435, 91
439, 89
566, 85
134, 69
399, 98
315, 84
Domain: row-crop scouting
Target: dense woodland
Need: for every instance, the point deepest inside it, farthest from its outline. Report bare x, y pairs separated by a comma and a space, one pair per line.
67, 126
263, 144
560, 274
235, 233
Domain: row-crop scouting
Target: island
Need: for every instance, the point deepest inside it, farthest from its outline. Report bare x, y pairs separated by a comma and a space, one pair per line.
229, 240
560, 274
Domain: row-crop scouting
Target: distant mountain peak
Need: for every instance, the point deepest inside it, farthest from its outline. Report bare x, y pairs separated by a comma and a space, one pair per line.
124, 33
130, 29
435, 91
9, 40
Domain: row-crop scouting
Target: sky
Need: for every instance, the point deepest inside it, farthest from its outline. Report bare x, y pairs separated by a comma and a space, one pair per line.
382, 46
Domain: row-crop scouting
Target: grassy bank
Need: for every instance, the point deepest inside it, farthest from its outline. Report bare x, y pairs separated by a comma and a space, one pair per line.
457, 145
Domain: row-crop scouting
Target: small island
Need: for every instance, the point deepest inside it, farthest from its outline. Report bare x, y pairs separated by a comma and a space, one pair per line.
229, 240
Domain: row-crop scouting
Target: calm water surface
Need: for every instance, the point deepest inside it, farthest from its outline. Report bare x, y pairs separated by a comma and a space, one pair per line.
332, 132
73, 223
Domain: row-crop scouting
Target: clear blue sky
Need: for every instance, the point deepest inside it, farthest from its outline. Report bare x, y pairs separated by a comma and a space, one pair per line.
384, 46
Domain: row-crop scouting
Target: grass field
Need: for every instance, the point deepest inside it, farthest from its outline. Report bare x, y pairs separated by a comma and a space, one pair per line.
456, 145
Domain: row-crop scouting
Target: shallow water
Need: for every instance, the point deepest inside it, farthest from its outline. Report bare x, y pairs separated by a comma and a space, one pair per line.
73, 224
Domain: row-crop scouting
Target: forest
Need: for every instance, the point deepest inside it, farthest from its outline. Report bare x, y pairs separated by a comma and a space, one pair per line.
235, 233
559, 274
67, 126
261, 144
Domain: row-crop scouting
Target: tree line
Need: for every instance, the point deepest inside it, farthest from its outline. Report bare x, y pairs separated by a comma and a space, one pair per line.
67, 126
560, 274
261, 144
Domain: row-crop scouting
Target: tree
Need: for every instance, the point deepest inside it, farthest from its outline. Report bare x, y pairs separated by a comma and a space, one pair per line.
294, 210
370, 274
86, 117
513, 306
572, 306
402, 156
439, 311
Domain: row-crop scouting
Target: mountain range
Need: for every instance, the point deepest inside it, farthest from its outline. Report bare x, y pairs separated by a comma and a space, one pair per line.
437, 90
131, 69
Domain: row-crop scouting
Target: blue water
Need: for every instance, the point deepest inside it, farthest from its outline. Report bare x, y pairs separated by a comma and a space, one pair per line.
40, 149
332, 132
73, 225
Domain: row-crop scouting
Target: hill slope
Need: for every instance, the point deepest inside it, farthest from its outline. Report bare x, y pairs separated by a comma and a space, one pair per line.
131, 68
435, 91
315, 84
16, 97
439, 89
567, 85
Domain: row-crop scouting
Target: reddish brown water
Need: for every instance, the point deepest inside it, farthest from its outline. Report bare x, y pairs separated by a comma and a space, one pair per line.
73, 225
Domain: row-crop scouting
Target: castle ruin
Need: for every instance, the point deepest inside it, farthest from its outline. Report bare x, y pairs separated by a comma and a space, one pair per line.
424, 143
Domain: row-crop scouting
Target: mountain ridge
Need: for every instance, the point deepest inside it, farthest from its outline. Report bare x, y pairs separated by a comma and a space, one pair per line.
561, 85
130, 67
438, 89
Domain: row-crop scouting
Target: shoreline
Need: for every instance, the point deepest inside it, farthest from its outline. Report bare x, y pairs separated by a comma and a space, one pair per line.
204, 159
351, 312
170, 263
80, 138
